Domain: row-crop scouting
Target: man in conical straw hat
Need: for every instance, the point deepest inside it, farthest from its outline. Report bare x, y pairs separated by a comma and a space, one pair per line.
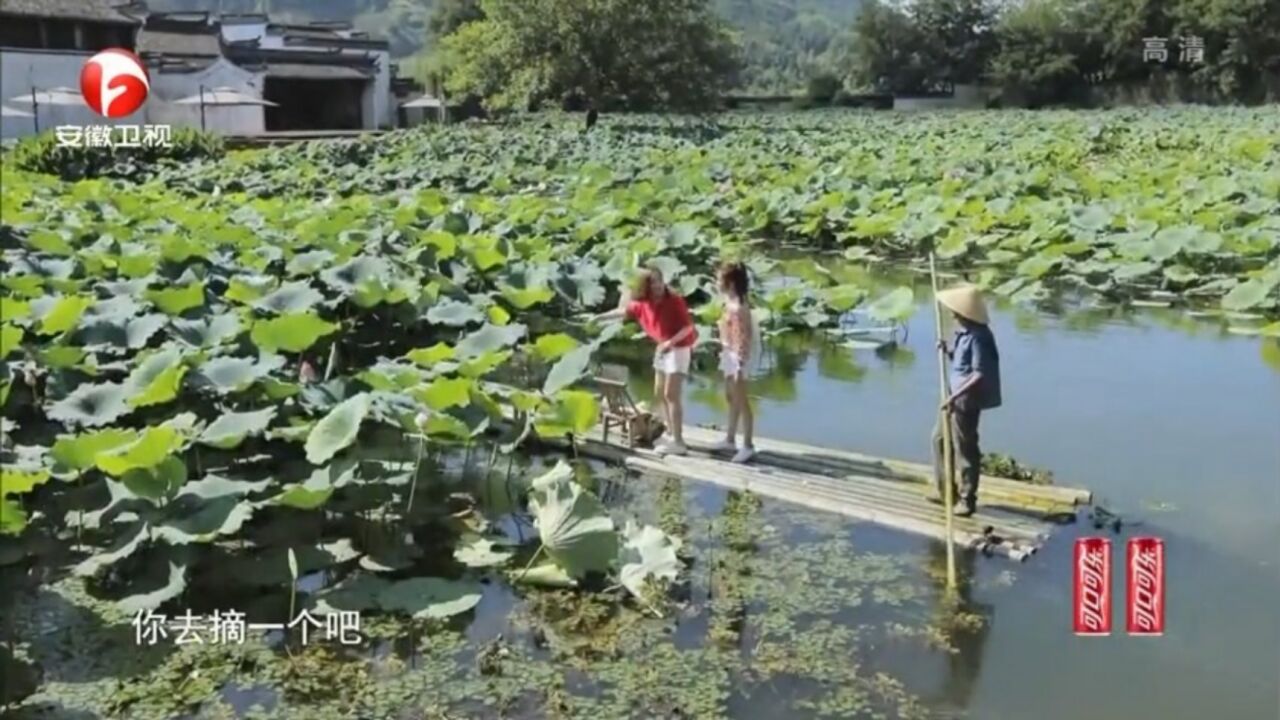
975, 386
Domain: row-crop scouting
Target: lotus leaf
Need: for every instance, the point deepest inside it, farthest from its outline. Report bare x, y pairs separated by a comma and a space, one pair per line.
575, 529
152, 446
481, 553
157, 379
177, 300
64, 314
10, 340
294, 332
488, 339
233, 374
429, 597
231, 429
337, 430
91, 405
208, 332
80, 452
648, 553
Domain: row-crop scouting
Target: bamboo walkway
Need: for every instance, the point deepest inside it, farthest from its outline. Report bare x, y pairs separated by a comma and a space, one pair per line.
1013, 519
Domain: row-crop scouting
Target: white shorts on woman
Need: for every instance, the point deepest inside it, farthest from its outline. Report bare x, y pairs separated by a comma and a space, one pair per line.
674, 361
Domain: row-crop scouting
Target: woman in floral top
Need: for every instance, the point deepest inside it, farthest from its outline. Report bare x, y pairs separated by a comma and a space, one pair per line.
735, 356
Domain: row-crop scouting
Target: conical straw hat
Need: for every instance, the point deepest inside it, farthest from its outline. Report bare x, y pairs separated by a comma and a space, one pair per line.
966, 301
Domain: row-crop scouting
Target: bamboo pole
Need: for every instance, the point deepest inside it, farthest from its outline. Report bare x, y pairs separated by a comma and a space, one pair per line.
944, 418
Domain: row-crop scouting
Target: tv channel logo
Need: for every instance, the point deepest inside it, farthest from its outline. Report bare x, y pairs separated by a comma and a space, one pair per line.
114, 83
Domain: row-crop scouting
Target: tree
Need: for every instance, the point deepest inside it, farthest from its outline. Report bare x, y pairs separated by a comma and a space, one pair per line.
449, 15
668, 54
1039, 51
958, 37
885, 50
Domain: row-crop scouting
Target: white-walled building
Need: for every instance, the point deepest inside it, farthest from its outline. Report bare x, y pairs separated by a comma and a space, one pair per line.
322, 76
43, 45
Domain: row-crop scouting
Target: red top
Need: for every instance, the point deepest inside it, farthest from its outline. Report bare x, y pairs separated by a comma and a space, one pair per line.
661, 320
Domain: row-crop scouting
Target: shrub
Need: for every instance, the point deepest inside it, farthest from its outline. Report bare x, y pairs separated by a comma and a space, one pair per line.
43, 154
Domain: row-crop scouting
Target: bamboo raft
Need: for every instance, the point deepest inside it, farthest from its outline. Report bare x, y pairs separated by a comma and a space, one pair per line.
1013, 518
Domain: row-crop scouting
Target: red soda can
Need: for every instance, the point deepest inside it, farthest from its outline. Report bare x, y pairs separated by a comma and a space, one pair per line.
1092, 586
1145, 586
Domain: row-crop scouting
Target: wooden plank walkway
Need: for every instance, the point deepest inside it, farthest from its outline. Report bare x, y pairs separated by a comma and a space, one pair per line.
1013, 518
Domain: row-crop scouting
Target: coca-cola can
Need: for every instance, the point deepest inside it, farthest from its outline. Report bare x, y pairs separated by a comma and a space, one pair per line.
1145, 586
1092, 585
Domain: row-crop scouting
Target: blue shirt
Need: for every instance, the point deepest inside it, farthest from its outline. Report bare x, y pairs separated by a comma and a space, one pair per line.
974, 350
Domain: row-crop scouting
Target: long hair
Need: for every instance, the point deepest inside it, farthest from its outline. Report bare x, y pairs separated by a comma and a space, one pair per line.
734, 276
642, 287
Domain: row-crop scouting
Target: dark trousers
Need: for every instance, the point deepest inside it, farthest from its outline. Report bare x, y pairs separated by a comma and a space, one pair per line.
964, 442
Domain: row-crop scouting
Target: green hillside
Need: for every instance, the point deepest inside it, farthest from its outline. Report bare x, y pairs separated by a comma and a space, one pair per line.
783, 41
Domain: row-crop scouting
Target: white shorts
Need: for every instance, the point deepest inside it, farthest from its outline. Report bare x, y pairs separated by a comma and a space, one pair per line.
674, 361
731, 365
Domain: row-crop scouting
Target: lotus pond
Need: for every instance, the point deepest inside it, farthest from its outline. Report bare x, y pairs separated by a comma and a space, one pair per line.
319, 377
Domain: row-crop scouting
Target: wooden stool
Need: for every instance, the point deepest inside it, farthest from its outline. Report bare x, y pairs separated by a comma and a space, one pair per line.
620, 411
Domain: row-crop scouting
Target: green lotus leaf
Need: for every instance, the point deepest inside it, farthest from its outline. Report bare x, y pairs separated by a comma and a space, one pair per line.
270, 566
208, 332
177, 300
245, 289
454, 314
525, 298
148, 594
231, 429
291, 333
444, 425
152, 446
212, 487
64, 314
126, 543
61, 357
483, 364
346, 278
294, 297
308, 263
18, 482
80, 452
427, 357
486, 252
355, 594
10, 340
1249, 294
157, 482
234, 374
843, 298
1171, 241
488, 339
444, 393
91, 405
568, 369
195, 520
481, 553
1134, 270
337, 430
544, 575
552, 346
157, 379
570, 412
647, 553
575, 529
120, 333
13, 519
897, 306
429, 597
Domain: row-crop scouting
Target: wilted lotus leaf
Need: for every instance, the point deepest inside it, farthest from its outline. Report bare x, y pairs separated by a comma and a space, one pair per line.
231, 429
480, 552
91, 405
647, 553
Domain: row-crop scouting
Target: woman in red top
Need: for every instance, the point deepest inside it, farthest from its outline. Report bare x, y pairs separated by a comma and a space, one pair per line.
664, 316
